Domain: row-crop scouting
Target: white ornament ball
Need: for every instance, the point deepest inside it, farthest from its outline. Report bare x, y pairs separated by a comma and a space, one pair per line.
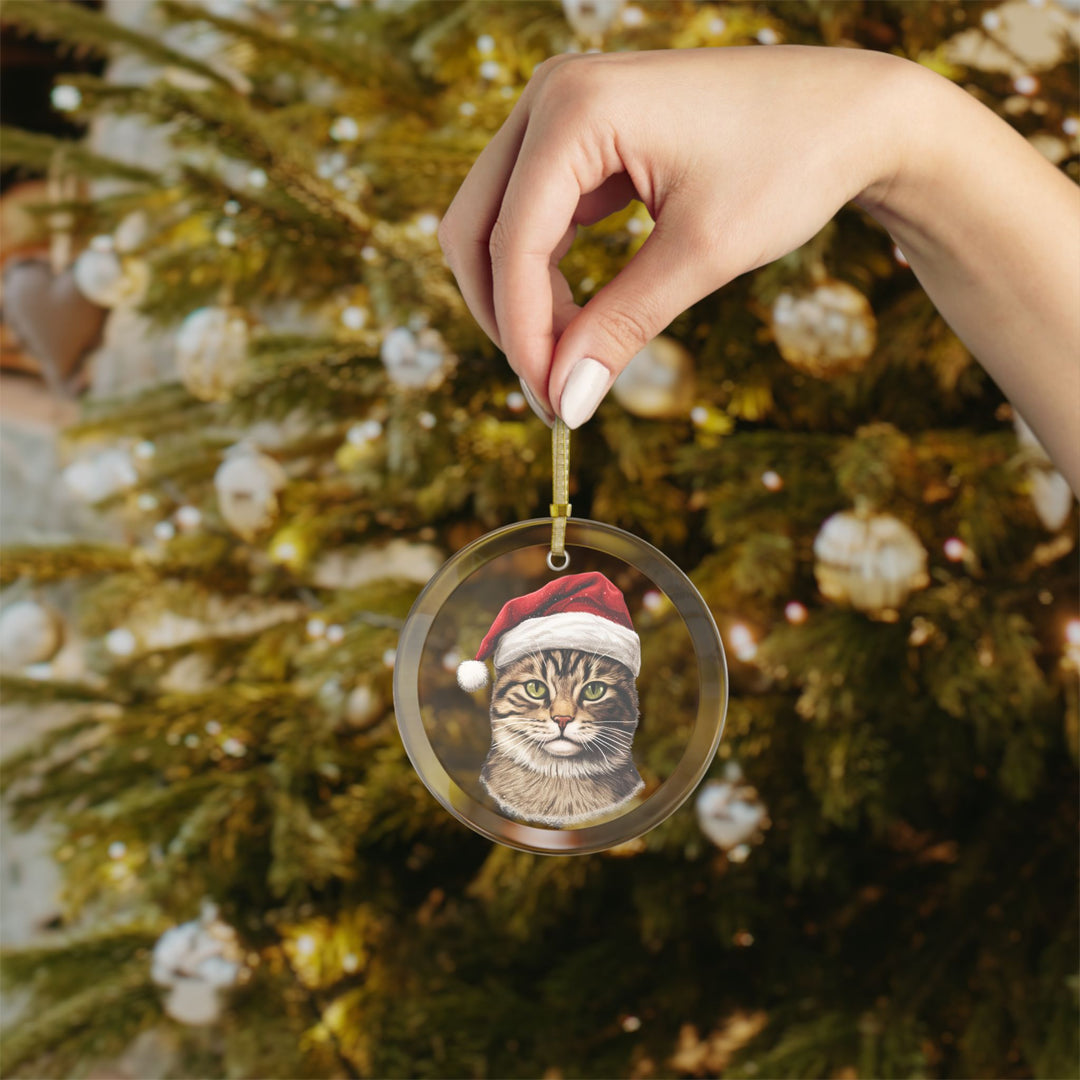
414, 360
196, 961
828, 331
193, 1002
363, 707
1050, 491
729, 813
658, 383
872, 562
211, 351
247, 485
108, 280
104, 474
30, 633
591, 19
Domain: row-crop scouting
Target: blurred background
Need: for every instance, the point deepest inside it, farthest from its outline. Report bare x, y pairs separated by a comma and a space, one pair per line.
245, 415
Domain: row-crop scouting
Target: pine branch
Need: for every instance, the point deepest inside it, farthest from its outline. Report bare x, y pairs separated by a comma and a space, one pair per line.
35, 151
86, 31
57, 562
118, 1002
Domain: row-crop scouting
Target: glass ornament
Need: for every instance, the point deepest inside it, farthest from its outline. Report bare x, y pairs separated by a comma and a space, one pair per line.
560, 685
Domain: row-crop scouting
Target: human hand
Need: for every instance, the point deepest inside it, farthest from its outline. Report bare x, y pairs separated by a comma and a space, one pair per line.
739, 154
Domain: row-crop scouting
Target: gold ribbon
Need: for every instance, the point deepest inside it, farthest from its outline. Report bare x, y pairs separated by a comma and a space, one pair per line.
557, 558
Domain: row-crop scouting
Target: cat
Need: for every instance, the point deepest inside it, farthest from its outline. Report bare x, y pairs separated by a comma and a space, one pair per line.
562, 725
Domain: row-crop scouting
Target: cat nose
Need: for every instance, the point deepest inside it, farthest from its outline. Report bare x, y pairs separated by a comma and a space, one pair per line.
562, 721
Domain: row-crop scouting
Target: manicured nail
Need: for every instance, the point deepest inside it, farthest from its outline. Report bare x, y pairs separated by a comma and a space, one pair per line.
584, 390
535, 405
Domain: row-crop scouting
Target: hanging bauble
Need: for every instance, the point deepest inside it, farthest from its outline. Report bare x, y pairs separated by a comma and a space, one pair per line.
247, 485
363, 706
827, 331
729, 811
106, 473
105, 278
51, 318
196, 962
591, 19
658, 383
415, 360
870, 561
211, 351
30, 633
1050, 491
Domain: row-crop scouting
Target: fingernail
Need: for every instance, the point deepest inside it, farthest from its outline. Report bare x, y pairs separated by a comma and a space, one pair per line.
584, 390
535, 405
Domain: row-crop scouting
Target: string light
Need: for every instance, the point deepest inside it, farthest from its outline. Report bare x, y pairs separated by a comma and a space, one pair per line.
1072, 642
354, 317
316, 628
653, 601
364, 432
65, 98
955, 549
428, 224
742, 642
795, 613
772, 480
188, 517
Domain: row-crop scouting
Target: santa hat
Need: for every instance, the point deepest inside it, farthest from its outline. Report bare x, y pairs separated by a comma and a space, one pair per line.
579, 611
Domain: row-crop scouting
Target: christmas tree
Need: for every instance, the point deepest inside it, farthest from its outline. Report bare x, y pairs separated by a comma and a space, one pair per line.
878, 878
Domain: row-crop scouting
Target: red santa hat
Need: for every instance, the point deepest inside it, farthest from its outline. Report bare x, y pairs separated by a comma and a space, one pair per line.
578, 611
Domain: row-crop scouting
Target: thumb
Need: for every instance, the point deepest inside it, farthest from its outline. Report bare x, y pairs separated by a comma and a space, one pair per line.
662, 280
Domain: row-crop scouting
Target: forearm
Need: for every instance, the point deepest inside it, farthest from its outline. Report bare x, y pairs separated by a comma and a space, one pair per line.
992, 231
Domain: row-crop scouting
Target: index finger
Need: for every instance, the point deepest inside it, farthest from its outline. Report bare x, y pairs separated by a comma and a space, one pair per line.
536, 216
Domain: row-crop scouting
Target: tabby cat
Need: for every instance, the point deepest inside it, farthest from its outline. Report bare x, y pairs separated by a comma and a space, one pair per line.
562, 725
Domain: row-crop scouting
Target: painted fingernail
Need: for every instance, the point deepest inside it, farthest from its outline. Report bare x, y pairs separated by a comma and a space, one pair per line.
584, 390
535, 405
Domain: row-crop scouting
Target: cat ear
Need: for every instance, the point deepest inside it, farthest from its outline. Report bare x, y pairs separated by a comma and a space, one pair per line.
472, 675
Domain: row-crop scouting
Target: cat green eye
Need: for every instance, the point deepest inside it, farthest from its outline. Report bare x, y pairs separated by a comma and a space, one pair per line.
594, 691
536, 689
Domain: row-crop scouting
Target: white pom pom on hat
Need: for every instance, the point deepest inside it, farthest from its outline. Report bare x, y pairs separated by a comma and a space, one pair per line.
472, 675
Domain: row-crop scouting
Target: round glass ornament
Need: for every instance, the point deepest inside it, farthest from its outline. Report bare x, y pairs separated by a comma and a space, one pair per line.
551, 755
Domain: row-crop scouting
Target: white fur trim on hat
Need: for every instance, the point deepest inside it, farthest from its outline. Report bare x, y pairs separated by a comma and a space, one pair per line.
570, 630
472, 675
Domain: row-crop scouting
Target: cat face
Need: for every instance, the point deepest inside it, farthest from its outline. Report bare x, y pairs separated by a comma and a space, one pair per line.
565, 712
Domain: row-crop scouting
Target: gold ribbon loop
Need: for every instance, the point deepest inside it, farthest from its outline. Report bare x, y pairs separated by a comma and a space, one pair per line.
558, 559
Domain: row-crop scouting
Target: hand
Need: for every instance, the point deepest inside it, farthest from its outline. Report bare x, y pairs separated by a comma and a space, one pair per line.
739, 154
